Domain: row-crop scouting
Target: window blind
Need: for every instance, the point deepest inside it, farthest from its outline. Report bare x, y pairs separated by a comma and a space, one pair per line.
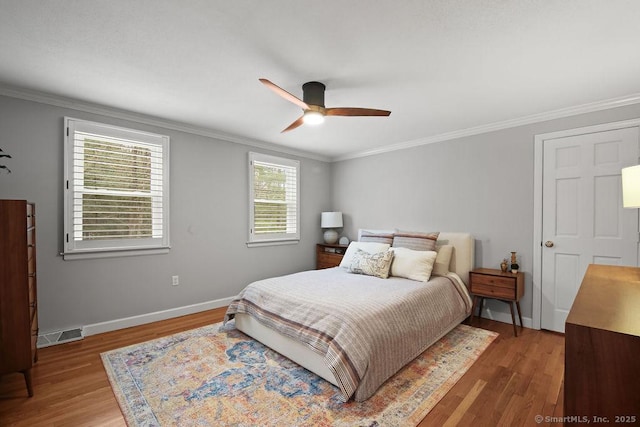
275, 198
117, 188
116, 195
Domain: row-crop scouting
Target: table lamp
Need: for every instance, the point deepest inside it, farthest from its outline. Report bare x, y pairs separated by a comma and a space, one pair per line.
331, 220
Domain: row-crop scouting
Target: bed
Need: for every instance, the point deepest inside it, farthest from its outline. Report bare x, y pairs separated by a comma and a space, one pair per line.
355, 330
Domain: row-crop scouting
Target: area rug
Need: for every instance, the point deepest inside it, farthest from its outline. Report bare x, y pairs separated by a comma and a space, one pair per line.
217, 376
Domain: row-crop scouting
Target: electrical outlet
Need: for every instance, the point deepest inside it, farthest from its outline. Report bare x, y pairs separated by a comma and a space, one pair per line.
175, 280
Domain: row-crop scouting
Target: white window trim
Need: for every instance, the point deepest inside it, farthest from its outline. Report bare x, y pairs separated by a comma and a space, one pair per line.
256, 240
109, 248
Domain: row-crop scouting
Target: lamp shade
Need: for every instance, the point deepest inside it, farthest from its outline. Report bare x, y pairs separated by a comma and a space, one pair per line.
331, 220
631, 187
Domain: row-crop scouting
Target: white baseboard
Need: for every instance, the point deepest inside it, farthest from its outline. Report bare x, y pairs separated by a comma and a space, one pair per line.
503, 317
127, 322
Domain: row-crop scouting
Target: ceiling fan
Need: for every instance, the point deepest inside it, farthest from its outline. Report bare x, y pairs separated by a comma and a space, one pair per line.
312, 104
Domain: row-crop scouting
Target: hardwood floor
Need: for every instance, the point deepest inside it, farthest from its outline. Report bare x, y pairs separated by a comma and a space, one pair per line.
514, 380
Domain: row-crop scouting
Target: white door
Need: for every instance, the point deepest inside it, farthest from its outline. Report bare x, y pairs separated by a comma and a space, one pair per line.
583, 221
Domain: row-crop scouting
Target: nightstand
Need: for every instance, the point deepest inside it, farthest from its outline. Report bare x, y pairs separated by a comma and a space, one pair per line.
328, 256
490, 283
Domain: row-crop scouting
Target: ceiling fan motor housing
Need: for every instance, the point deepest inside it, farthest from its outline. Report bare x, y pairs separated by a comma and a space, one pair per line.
313, 93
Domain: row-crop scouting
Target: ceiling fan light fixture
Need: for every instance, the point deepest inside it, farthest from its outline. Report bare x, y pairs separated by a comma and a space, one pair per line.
312, 104
313, 117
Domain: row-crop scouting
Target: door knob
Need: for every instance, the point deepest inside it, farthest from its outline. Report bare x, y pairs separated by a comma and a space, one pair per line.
548, 244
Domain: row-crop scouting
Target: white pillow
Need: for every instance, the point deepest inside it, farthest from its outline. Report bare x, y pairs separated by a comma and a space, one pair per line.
443, 260
369, 247
414, 265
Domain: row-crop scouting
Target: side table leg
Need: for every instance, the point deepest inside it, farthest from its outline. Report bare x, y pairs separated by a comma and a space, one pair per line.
519, 314
473, 308
513, 319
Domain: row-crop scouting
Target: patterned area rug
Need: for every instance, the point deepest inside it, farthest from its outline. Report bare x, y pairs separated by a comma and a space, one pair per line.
217, 376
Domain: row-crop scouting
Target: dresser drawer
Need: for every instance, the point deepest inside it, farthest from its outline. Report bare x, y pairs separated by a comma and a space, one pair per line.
492, 291
34, 347
31, 250
33, 313
30, 215
31, 267
503, 282
32, 289
34, 324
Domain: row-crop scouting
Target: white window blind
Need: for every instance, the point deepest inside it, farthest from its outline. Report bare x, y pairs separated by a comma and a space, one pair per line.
274, 199
117, 196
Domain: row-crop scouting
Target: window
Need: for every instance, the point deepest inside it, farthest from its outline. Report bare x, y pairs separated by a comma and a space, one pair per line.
116, 191
274, 199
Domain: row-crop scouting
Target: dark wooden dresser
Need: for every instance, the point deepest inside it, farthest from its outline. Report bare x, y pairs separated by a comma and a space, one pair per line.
18, 298
602, 348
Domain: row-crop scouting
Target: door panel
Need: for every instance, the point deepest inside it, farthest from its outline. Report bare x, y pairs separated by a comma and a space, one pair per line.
582, 214
607, 216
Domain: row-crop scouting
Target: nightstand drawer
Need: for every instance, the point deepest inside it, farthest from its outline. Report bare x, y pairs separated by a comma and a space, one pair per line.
493, 291
328, 256
327, 260
503, 282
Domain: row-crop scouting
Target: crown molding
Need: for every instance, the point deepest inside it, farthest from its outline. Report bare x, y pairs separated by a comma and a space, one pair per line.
45, 98
506, 124
88, 107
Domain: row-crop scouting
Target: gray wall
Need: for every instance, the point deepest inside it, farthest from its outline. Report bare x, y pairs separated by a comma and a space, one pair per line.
209, 220
482, 184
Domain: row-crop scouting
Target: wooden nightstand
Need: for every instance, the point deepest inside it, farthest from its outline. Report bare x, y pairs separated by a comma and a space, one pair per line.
490, 283
328, 256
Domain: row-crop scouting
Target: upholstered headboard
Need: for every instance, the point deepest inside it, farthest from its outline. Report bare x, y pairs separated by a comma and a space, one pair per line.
462, 260
463, 252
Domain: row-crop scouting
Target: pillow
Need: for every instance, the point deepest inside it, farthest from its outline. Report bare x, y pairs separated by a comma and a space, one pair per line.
377, 264
414, 265
415, 240
443, 260
378, 237
369, 247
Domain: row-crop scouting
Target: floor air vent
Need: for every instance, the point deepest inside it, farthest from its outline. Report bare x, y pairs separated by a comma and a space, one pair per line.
59, 337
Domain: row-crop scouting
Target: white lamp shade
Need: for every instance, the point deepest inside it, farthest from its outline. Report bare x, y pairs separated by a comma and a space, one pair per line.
631, 187
331, 220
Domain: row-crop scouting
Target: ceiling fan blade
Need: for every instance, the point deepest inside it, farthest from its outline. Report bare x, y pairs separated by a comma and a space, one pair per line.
283, 93
348, 111
294, 125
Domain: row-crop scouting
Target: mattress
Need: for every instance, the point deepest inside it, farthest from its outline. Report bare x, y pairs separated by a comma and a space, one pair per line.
356, 331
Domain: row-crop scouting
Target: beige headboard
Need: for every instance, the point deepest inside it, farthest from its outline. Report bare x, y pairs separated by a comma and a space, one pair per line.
463, 252
462, 260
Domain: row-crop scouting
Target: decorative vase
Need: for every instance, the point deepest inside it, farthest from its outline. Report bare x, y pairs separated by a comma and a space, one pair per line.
514, 263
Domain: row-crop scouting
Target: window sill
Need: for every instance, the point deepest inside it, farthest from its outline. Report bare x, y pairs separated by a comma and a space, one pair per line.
272, 243
70, 256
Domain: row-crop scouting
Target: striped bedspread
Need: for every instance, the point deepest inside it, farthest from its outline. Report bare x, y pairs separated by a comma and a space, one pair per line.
366, 328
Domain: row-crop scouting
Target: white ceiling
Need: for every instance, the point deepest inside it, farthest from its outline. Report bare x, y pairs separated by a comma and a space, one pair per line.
440, 66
